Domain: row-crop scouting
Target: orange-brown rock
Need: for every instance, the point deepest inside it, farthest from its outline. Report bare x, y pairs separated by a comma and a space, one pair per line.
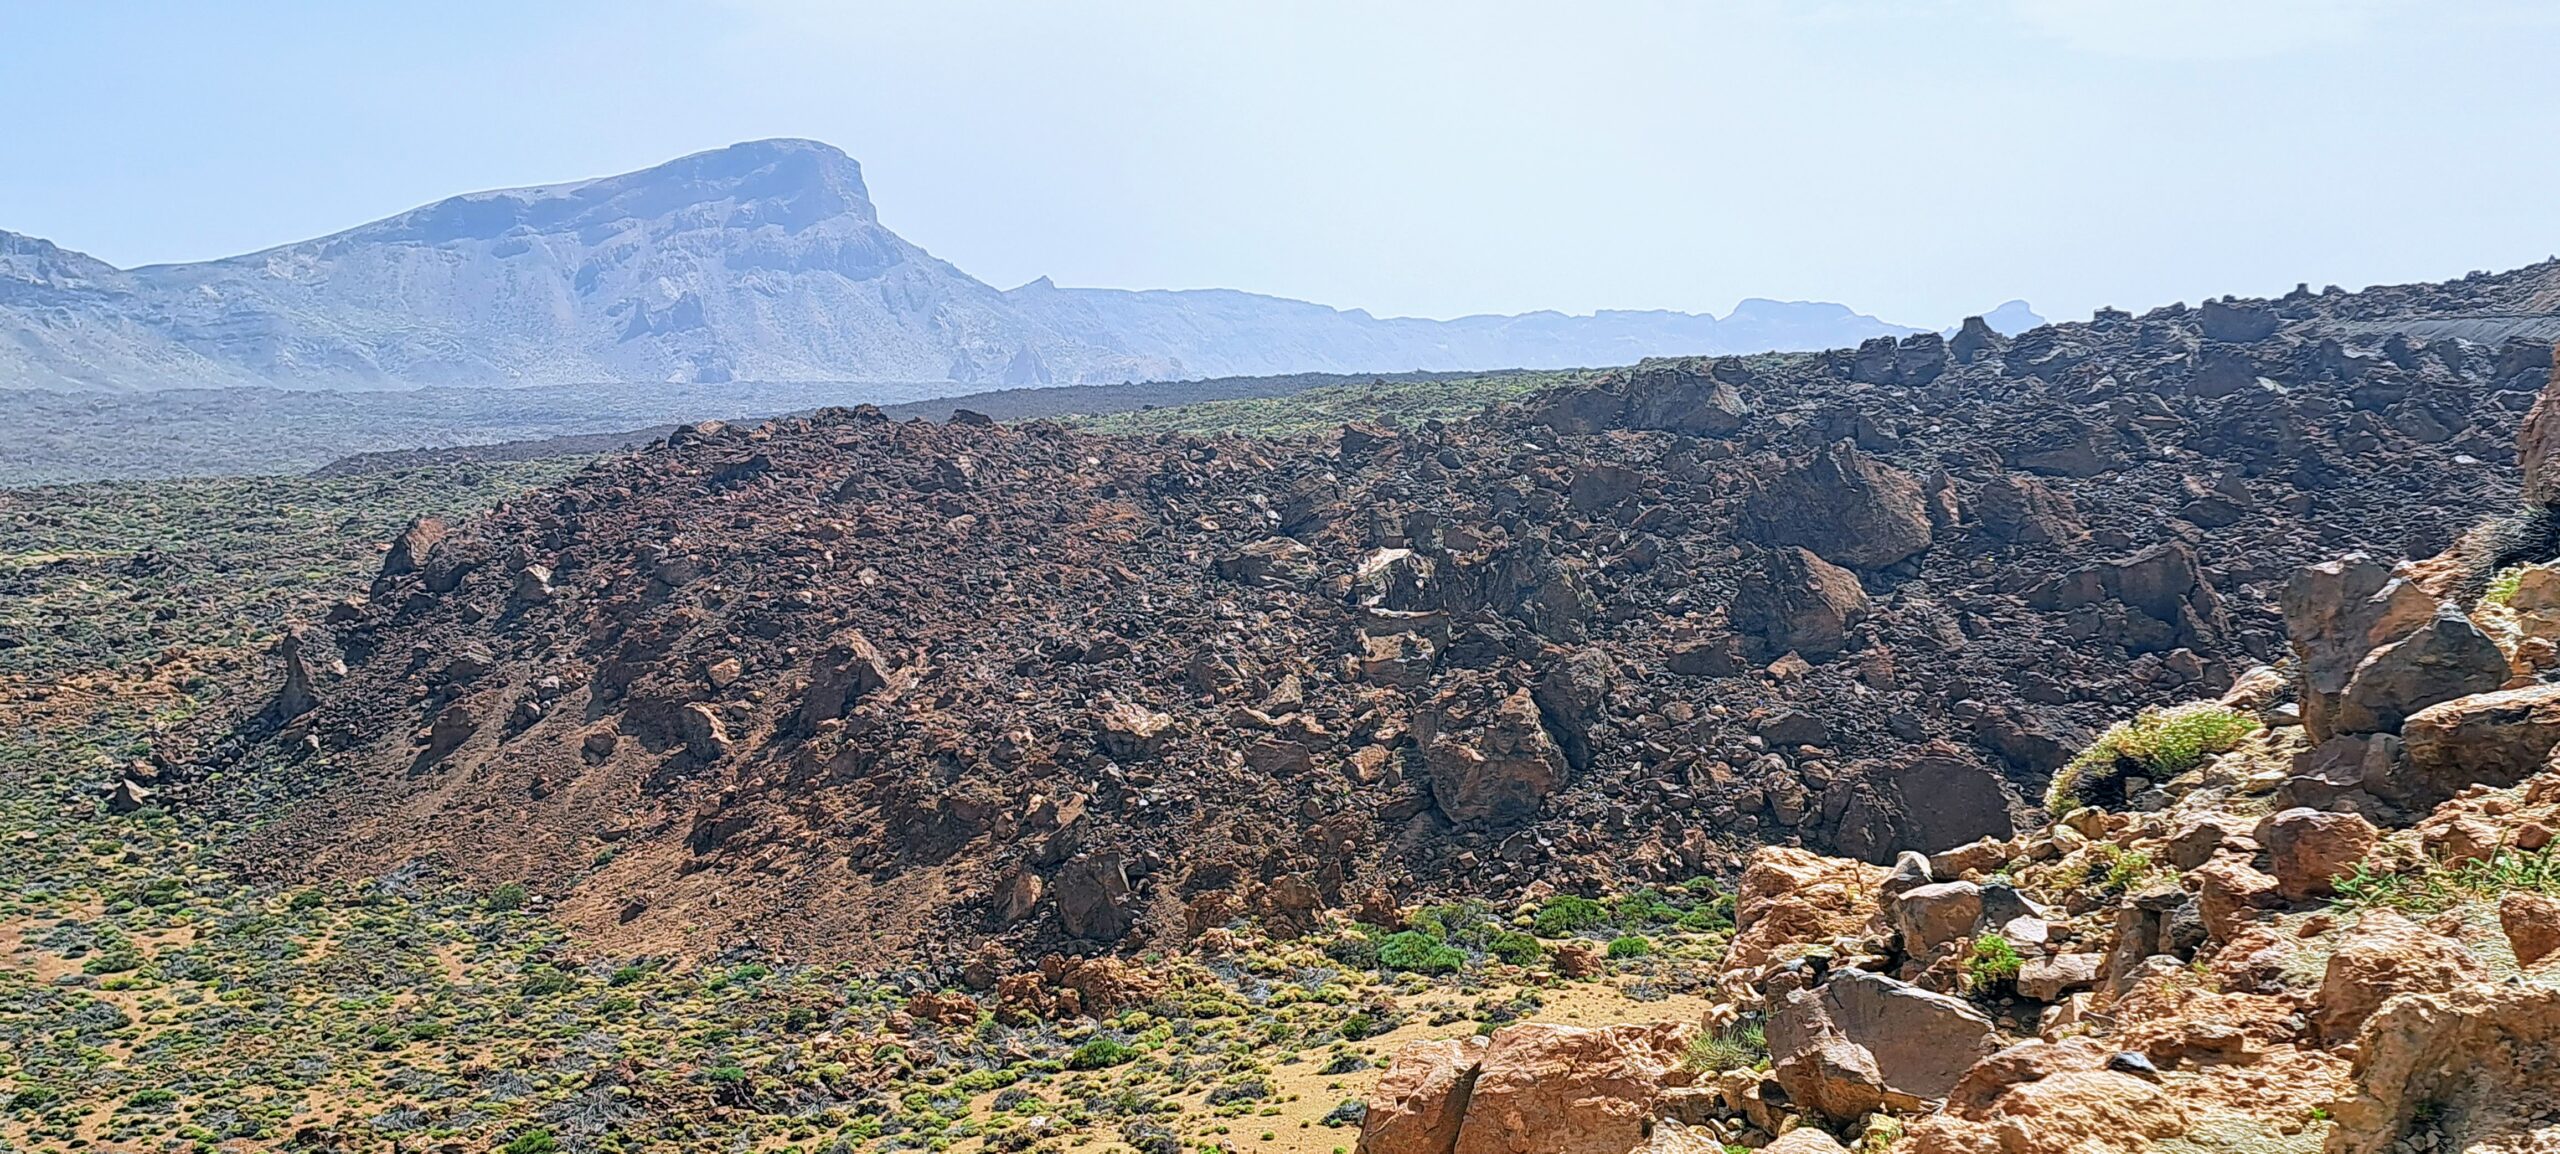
1422, 1099
2476, 1059
1791, 898
1580, 960
949, 1011
1530, 1087
1569, 1089
2072, 1112
2386, 954
2532, 923
2497, 738
1801, 1140
2230, 893
2309, 849
1067, 987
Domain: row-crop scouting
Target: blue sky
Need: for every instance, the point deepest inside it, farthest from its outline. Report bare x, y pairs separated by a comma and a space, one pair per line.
1917, 159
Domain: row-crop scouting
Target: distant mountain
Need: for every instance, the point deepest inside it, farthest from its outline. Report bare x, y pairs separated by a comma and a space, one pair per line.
762, 261
2012, 318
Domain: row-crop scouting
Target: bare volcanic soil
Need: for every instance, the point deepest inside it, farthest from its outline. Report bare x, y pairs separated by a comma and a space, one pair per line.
892, 691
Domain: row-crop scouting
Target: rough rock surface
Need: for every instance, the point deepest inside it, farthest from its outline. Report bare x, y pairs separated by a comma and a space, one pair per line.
1568, 1089
2311, 849
1036, 599
1862, 1042
2476, 1062
1422, 1099
2389, 955
2494, 739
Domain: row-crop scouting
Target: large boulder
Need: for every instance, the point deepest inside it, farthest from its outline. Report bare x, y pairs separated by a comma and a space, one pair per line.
295, 697
2070, 1112
1677, 398
1530, 1087
848, 669
1093, 897
1421, 1100
2310, 848
1789, 898
2473, 1062
1571, 1089
2021, 509
1862, 1042
1796, 601
417, 541
1845, 506
2387, 955
1936, 915
2497, 738
2532, 925
2375, 648
1934, 801
1487, 754
2240, 322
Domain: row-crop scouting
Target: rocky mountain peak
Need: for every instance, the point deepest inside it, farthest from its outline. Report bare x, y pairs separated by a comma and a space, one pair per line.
35, 260
789, 184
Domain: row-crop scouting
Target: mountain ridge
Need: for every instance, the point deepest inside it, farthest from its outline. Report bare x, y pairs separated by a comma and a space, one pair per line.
764, 260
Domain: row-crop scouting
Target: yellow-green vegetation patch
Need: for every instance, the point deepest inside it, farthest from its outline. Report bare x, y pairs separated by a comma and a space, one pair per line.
2157, 744
2437, 886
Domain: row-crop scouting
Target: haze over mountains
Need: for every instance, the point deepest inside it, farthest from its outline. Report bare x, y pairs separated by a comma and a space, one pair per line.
764, 261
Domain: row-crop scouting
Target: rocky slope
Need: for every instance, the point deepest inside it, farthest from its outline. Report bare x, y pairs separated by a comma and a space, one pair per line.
2338, 931
765, 261
871, 689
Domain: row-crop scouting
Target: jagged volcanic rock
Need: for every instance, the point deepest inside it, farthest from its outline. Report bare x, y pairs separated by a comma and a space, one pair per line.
855, 687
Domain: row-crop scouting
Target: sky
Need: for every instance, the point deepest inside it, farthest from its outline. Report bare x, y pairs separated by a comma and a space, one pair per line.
1916, 159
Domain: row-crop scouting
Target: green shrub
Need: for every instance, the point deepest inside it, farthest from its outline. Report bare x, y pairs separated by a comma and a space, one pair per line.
1515, 947
1357, 949
2117, 871
725, 1075
1100, 1053
1629, 946
2157, 743
1993, 961
506, 897
1419, 953
534, 1141
542, 981
1562, 917
1644, 905
1735, 1047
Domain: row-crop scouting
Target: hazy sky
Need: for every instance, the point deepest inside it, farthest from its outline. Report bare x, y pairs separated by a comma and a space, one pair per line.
1918, 160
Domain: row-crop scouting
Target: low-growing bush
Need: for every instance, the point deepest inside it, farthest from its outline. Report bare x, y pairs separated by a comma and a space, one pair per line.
1993, 961
2157, 744
1630, 946
1739, 1046
1515, 947
1420, 953
1566, 915
1100, 1053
